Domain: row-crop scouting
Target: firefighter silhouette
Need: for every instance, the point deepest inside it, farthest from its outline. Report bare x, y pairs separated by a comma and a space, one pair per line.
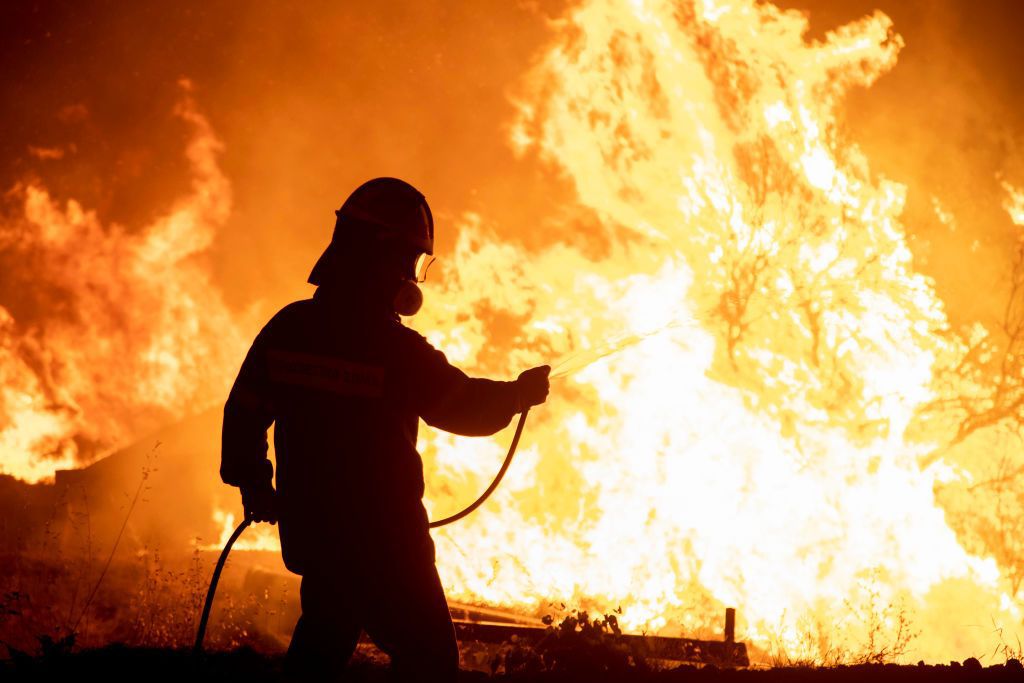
345, 383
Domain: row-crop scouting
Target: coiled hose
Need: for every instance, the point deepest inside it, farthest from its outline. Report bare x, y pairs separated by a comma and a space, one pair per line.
201, 633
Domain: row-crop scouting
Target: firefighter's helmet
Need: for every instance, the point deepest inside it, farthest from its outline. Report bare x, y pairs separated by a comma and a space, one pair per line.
384, 213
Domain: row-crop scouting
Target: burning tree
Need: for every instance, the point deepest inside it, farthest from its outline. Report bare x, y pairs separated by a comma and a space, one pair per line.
980, 407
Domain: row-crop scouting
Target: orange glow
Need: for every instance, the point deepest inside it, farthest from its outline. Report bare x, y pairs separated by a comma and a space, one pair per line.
760, 449
142, 337
752, 380
1014, 203
257, 537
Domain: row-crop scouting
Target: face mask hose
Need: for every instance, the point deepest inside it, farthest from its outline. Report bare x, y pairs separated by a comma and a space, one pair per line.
201, 633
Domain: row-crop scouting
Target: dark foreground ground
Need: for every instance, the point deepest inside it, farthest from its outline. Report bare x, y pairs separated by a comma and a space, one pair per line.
117, 663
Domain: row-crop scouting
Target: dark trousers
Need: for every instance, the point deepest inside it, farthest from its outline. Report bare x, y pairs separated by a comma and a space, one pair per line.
402, 608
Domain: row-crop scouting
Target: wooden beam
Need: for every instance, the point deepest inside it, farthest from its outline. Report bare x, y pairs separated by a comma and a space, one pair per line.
724, 653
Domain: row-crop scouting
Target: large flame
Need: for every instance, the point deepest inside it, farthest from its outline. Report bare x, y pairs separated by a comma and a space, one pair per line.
132, 333
761, 448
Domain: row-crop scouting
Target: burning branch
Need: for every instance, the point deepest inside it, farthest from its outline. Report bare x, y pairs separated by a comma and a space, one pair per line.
981, 396
986, 387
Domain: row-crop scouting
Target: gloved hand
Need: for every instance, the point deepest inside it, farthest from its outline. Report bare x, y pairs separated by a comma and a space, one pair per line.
533, 386
260, 503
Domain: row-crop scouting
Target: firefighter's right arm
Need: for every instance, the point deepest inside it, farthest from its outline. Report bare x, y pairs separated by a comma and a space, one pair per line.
446, 398
248, 414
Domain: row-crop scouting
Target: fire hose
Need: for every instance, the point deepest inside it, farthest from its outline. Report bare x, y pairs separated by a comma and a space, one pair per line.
201, 634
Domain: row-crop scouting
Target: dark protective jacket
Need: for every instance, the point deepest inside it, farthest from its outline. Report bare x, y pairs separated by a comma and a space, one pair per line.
344, 386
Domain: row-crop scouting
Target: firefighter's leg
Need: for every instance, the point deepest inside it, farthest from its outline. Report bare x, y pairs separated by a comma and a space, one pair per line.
327, 632
407, 617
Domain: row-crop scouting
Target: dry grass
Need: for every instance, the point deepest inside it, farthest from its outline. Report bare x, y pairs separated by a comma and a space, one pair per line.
874, 631
59, 596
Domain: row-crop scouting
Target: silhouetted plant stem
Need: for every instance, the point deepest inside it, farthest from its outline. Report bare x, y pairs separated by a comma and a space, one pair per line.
117, 541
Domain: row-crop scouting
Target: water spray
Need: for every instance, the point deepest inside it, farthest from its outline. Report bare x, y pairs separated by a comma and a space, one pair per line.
574, 362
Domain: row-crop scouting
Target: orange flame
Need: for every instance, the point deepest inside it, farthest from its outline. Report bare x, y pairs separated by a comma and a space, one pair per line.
260, 537
133, 335
1014, 203
764, 457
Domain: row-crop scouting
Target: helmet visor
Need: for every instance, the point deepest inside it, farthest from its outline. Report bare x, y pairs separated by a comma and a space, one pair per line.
423, 263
